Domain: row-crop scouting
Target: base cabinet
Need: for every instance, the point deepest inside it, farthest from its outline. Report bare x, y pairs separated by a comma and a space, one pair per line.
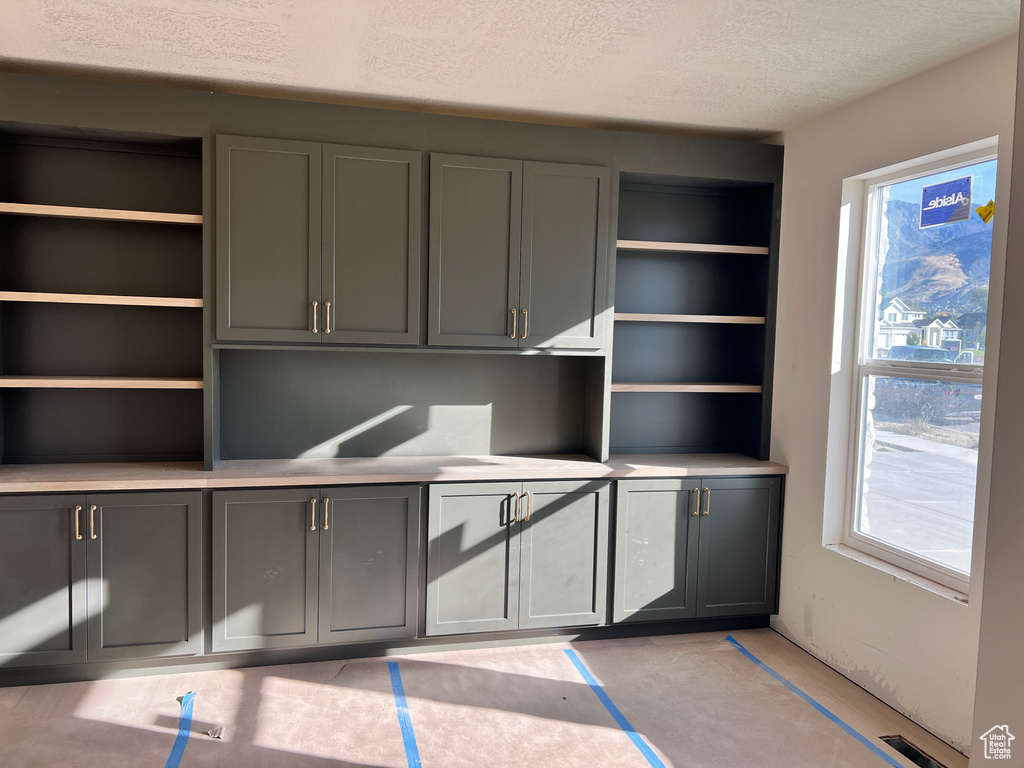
692, 548
314, 565
506, 556
100, 577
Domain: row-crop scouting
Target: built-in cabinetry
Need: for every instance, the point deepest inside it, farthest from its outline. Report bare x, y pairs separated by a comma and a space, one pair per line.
506, 556
314, 565
101, 291
100, 577
695, 548
317, 242
518, 253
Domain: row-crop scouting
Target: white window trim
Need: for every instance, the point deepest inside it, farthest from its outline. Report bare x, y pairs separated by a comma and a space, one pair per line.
861, 245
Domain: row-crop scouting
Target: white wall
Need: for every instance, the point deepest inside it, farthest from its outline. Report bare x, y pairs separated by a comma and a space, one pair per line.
1000, 700
913, 648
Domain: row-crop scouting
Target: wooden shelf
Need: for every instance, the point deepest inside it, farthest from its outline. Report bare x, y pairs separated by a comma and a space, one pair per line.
634, 317
727, 388
652, 245
97, 382
107, 214
89, 298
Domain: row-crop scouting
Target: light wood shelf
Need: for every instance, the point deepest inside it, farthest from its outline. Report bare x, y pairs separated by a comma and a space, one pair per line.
635, 317
90, 298
697, 387
653, 245
106, 214
97, 382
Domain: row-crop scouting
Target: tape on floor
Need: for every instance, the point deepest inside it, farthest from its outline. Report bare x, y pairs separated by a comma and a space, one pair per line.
619, 718
834, 718
184, 728
412, 753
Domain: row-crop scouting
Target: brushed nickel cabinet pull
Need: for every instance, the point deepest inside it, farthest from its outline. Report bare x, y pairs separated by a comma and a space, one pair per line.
513, 334
92, 522
529, 498
327, 512
314, 318
327, 321
526, 324
312, 514
707, 501
516, 518
78, 527
696, 509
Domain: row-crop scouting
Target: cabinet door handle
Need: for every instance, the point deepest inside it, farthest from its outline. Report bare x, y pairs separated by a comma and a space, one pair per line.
516, 518
314, 318
529, 506
92, 521
327, 512
513, 334
707, 501
327, 320
312, 514
696, 508
78, 527
526, 324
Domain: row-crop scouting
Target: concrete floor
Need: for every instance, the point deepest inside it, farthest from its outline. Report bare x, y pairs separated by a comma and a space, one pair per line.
694, 700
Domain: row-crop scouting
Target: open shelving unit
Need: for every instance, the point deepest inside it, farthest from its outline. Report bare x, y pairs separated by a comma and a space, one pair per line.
100, 299
689, 357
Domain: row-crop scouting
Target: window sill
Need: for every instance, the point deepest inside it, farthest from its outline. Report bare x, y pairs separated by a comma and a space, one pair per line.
899, 573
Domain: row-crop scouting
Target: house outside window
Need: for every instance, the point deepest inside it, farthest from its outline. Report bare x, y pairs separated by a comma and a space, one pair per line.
917, 394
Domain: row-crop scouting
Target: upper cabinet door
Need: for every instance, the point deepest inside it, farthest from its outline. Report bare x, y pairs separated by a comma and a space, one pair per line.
371, 245
475, 215
268, 240
563, 288
737, 568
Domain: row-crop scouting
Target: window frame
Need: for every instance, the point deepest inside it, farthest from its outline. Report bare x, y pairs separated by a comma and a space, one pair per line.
865, 365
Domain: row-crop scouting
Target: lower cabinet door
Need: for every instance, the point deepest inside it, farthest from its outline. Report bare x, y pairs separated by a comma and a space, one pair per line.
739, 547
145, 575
564, 554
369, 542
656, 534
42, 580
265, 568
472, 558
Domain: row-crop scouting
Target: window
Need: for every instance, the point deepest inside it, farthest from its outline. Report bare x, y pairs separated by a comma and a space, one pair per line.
917, 394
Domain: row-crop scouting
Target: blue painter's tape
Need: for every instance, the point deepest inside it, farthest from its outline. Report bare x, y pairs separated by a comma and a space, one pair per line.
623, 723
412, 753
889, 760
184, 728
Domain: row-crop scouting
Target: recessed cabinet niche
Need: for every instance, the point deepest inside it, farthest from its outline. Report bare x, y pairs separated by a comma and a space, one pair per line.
317, 242
518, 253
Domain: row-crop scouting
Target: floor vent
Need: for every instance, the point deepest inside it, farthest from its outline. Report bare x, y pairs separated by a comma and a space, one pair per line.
908, 750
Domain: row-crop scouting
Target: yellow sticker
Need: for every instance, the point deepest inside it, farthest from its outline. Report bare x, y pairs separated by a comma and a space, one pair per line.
987, 211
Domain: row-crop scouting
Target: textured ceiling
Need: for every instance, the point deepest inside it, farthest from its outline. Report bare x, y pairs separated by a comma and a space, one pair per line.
744, 67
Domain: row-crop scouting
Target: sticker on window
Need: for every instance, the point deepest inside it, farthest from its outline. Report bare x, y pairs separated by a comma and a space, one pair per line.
946, 203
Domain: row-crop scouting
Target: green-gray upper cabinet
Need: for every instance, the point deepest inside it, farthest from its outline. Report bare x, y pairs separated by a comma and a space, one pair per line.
475, 214
42, 580
563, 578
100, 577
301, 566
371, 245
564, 265
145, 575
518, 253
739, 547
505, 556
268, 239
656, 531
369, 550
692, 548
317, 242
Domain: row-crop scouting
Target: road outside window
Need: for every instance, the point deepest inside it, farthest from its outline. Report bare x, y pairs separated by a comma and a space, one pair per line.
923, 325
